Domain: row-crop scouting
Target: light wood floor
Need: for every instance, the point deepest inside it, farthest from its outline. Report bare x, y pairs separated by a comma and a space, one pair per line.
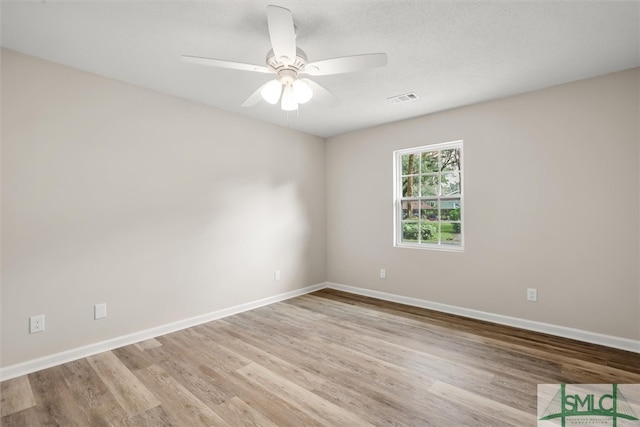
323, 359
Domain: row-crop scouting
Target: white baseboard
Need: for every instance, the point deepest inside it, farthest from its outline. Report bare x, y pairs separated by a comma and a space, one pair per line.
561, 331
30, 366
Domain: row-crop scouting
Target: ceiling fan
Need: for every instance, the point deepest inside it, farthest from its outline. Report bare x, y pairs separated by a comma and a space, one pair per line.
289, 63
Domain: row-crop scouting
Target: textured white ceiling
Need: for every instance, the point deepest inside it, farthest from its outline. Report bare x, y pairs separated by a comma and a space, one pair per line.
450, 53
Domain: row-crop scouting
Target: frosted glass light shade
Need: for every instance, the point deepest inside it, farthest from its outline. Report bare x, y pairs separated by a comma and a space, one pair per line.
301, 91
271, 91
288, 99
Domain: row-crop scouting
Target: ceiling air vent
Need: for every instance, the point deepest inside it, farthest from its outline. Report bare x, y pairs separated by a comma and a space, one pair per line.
403, 98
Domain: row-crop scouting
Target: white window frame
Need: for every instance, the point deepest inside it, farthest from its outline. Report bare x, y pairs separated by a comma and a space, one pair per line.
397, 197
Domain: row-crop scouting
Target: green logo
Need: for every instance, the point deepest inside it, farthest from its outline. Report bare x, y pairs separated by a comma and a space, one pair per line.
592, 404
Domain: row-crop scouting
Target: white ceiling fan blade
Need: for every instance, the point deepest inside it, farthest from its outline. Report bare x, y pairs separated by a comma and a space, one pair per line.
224, 64
345, 64
282, 33
321, 94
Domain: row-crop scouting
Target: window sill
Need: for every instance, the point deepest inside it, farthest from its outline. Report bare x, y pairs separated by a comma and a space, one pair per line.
441, 248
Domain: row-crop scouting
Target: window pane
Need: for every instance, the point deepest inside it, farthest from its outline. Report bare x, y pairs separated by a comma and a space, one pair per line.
429, 232
451, 233
410, 164
429, 210
450, 159
429, 185
410, 210
410, 186
429, 162
450, 183
409, 231
450, 210
430, 196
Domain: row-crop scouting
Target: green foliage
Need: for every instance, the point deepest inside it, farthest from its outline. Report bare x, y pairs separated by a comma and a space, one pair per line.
430, 162
454, 215
431, 173
449, 231
450, 159
410, 231
427, 231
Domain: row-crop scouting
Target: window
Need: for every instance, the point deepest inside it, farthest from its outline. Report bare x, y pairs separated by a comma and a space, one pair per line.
428, 197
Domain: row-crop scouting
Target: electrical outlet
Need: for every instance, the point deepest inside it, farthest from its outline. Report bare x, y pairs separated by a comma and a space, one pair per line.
36, 324
383, 273
532, 294
100, 311
276, 275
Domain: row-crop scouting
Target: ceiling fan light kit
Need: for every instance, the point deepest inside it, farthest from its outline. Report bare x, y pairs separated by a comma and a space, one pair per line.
288, 99
271, 91
302, 91
288, 62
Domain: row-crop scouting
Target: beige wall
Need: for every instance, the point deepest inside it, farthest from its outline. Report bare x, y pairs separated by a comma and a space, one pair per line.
162, 208
166, 209
552, 189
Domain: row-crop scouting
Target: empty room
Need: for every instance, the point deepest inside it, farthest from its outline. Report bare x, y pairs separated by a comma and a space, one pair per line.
318, 213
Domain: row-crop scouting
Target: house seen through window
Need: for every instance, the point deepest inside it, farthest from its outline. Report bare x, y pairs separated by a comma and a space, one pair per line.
429, 197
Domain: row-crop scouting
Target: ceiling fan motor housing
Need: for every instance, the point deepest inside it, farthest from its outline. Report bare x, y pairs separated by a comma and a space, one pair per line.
286, 69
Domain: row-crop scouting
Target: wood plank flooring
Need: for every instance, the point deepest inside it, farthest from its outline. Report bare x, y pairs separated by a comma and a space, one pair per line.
323, 359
